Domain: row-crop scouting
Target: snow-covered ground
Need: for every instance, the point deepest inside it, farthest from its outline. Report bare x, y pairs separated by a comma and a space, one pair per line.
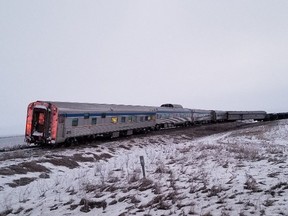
11, 142
241, 172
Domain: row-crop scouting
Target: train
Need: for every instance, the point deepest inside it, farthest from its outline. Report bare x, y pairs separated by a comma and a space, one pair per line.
53, 123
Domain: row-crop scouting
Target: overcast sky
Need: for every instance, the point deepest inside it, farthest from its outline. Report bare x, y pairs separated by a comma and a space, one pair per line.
226, 55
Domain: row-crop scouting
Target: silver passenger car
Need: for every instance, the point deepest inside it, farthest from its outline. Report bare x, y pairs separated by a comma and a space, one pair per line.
245, 115
169, 115
219, 116
200, 116
57, 122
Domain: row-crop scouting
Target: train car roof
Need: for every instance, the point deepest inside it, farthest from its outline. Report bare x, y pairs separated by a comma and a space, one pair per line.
64, 107
201, 110
172, 105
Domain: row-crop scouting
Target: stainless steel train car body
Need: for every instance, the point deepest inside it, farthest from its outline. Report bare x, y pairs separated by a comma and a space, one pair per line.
219, 116
41, 123
57, 122
65, 120
246, 115
201, 116
172, 115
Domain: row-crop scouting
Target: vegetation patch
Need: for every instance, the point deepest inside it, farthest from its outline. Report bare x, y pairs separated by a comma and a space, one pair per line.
80, 158
21, 182
6, 212
64, 161
145, 184
105, 156
23, 168
87, 205
12, 155
124, 147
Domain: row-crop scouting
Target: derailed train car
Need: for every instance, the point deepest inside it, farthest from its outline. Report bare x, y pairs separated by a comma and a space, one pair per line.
58, 122
170, 115
200, 116
245, 115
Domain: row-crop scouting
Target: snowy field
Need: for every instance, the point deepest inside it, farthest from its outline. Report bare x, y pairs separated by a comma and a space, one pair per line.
11, 142
241, 172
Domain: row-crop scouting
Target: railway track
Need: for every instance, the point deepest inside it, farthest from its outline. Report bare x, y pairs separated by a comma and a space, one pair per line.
192, 132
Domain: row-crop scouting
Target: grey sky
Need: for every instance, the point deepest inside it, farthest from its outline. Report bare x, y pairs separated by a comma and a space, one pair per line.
227, 55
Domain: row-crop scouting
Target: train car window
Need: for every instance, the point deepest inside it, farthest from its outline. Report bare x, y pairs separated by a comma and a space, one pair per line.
41, 119
86, 116
114, 120
123, 119
147, 118
94, 121
141, 119
75, 122
134, 118
129, 118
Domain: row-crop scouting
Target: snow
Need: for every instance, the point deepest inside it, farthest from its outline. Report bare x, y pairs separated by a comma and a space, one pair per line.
40, 107
36, 133
11, 142
238, 172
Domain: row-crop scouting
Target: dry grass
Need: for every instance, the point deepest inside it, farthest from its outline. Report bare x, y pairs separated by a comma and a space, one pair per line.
125, 147
12, 155
63, 161
6, 212
88, 205
145, 184
105, 156
80, 158
251, 184
23, 168
135, 177
214, 191
162, 169
245, 152
21, 182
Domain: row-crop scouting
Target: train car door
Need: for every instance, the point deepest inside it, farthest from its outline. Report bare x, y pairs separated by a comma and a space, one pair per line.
61, 127
40, 123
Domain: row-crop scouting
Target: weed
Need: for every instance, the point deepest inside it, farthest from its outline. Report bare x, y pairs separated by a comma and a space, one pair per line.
71, 190
17, 212
23, 168
89, 204
105, 156
207, 214
268, 202
124, 147
156, 188
113, 202
134, 177
6, 212
63, 161
21, 182
279, 185
134, 200
214, 191
145, 184
161, 168
251, 184
80, 158
172, 196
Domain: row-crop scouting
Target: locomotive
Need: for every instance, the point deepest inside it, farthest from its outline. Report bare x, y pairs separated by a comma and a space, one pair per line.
51, 122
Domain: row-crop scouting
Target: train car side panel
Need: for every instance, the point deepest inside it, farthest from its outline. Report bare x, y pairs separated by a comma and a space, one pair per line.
246, 115
172, 115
